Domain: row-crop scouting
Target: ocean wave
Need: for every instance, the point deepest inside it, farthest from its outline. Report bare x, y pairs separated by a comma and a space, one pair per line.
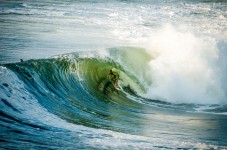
73, 93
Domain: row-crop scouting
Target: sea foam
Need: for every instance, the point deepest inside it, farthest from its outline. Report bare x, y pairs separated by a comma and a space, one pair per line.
186, 67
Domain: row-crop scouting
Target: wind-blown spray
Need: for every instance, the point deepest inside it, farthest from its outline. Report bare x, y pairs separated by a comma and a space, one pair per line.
184, 68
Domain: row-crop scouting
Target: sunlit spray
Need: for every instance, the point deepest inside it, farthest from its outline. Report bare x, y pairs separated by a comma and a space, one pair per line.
184, 68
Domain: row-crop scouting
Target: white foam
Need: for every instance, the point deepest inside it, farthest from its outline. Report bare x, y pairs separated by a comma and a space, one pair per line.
185, 67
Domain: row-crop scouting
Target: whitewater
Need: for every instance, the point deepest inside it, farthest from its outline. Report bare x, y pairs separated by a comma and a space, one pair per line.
170, 56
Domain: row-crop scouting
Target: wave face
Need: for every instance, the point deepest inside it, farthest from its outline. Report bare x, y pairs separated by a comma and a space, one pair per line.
68, 101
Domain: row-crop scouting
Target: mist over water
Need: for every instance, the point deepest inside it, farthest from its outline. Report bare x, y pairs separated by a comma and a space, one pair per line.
185, 67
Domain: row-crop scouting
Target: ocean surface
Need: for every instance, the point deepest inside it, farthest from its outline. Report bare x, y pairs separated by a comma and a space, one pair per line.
171, 56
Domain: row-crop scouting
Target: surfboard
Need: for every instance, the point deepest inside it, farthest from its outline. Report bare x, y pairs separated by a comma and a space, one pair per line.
116, 86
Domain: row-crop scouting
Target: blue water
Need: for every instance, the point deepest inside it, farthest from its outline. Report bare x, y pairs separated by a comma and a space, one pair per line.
170, 55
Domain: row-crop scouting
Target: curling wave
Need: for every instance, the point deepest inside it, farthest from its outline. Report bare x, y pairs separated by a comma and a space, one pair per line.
75, 89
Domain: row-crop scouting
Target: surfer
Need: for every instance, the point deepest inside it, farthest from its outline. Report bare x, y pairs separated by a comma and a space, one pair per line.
114, 76
105, 83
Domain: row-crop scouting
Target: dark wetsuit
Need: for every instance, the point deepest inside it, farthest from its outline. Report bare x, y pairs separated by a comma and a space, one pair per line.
114, 76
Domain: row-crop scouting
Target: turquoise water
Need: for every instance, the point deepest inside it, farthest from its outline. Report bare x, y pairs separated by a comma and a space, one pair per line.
170, 55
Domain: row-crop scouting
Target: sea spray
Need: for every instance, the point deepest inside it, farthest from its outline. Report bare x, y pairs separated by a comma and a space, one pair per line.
184, 67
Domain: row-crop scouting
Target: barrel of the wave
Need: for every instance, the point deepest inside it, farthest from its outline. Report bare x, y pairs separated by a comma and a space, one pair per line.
125, 63
99, 76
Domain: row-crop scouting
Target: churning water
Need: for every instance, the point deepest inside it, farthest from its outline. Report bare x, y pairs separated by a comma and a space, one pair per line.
170, 55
